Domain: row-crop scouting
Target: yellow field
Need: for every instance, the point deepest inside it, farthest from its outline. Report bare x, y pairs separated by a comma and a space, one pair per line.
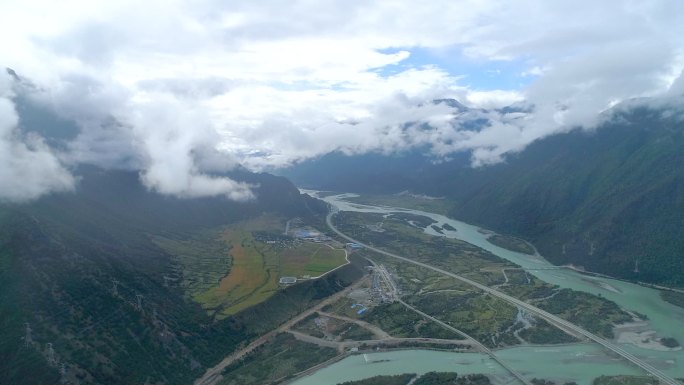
256, 267
253, 276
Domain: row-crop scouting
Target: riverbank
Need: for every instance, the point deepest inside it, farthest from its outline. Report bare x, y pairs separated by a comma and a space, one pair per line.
581, 363
644, 284
642, 299
639, 334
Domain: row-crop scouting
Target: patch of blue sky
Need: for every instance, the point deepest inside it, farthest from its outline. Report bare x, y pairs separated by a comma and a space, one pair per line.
476, 74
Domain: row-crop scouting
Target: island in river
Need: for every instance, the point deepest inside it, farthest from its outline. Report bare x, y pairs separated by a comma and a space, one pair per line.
664, 321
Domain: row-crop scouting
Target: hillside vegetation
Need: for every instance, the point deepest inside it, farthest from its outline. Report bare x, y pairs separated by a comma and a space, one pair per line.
106, 304
608, 199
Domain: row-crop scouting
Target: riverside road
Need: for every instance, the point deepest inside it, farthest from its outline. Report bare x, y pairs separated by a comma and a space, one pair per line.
563, 324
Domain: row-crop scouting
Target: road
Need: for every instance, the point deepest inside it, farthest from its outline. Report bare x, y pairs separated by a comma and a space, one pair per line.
477, 344
344, 345
563, 324
213, 375
395, 295
377, 332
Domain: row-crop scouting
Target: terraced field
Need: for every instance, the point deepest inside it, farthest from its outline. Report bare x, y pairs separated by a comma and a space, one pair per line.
227, 270
252, 279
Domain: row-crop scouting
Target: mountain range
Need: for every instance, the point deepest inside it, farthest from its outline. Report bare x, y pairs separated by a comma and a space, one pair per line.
72, 266
91, 291
87, 294
609, 199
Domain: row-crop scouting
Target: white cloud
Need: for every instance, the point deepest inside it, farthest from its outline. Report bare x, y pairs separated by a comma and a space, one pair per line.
28, 168
493, 99
182, 89
175, 154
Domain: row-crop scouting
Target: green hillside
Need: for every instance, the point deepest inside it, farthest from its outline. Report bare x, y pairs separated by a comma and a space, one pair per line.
60, 257
603, 200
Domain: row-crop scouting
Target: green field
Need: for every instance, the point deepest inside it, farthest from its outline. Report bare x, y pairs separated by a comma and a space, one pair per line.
200, 261
230, 269
440, 206
487, 319
311, 259
253, 276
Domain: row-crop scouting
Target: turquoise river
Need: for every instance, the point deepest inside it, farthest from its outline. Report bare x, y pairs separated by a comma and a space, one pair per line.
574, 362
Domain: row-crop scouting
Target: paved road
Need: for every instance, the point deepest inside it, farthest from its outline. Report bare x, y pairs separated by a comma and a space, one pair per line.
395, 294
563, 324
474, 341
213, 375
379, 333
343, 345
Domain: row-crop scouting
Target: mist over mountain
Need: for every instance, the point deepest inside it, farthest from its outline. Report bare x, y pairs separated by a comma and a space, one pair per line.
607, 199
62, 255
152, 229
73, 262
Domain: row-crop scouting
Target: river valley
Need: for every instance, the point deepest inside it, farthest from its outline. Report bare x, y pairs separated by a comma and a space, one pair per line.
576, 362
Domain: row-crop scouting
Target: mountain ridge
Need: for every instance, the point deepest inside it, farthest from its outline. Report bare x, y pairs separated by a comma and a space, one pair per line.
73, 264
606, 199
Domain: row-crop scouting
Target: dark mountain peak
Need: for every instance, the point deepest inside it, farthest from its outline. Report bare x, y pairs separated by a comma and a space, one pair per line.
518, 107
453, 103
12, 73
21, 83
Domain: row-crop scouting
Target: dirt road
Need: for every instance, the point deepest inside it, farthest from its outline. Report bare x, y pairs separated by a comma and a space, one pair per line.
377, 332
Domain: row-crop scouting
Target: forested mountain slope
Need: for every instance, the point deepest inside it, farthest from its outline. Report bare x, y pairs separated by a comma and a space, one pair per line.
610, 199
62, 256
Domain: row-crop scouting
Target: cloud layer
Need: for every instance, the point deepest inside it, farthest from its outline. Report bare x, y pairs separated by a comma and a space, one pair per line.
29, 167
184, 90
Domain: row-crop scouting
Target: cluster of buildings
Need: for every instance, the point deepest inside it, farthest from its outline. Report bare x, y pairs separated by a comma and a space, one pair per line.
288, 280
311, 235
381, 291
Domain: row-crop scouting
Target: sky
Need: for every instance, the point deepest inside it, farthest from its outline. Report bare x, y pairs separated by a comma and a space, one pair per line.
183, 90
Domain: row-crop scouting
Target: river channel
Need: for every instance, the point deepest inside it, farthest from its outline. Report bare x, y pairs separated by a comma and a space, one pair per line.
576, 362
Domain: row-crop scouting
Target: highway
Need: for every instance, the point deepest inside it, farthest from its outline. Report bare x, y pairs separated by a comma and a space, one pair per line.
368, 344
214, 375
563, 324
395, 294
480, 346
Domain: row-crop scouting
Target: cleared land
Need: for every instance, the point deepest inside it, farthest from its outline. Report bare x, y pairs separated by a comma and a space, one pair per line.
491, 321
311, 259
230, 269
200, 261
276, 361
252, 279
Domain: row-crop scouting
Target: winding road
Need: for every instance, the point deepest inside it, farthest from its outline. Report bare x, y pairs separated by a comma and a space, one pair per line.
395, 293
214, 375
559, 322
